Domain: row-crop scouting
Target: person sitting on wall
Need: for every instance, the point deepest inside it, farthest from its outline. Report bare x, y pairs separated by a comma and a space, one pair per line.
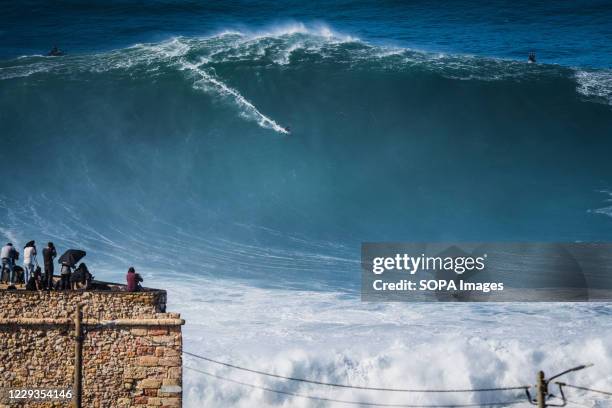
35, 281
133, 280
81, 278
19, 275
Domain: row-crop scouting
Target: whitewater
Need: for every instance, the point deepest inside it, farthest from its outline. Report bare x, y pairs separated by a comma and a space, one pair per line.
174, 157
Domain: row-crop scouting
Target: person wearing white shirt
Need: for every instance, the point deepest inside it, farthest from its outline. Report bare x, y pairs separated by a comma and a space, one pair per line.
29, 260
9, 256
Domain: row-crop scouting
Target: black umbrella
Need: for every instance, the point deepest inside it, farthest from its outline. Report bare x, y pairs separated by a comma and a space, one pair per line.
29, 244
71, 257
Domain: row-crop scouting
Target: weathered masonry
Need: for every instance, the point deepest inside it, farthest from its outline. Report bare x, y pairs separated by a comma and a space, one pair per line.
131, 348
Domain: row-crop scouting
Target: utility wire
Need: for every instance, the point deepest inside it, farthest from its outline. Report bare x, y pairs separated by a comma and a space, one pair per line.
348, 402
521, 387
304, 380
584, 388
566, 400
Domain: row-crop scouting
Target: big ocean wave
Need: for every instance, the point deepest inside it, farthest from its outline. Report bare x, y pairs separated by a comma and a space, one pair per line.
292, 46
175, 156
189, 137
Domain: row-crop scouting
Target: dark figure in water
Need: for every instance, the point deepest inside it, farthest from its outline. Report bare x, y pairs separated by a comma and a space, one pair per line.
55, 52
532, 58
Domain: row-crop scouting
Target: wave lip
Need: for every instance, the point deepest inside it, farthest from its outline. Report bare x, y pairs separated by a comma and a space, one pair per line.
289, 29
292, 46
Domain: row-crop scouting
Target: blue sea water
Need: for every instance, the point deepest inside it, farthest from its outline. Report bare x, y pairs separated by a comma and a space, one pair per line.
163, 127
574, 33
159, 140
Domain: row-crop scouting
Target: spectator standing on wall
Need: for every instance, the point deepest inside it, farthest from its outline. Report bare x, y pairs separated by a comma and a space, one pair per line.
49, 254
29, 259
133, 280
9, 255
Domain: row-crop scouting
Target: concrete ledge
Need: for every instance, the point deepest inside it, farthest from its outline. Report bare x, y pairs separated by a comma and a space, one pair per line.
91, 322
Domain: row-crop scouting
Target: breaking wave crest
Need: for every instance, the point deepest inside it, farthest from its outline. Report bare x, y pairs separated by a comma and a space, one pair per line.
291, 46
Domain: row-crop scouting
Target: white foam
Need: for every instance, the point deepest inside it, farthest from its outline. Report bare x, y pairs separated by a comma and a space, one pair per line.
248, 110
606, 210
332, 337
292, 28
23, 71
172, 48
284, 57
226, 33
595, 84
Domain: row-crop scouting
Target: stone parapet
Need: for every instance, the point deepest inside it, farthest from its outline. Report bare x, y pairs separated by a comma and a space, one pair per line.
132, 350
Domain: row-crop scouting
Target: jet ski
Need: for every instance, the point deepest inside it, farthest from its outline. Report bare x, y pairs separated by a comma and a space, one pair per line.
55, 52
531, 59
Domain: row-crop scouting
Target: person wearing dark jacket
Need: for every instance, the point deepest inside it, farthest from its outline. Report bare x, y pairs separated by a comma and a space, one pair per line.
49, 254
80, 278
35, 283
133, 280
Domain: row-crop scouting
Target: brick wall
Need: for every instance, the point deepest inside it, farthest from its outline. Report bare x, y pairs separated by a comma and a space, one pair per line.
131, 362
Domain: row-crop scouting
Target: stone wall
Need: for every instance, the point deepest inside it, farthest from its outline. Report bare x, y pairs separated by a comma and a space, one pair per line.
131, 349
100, 304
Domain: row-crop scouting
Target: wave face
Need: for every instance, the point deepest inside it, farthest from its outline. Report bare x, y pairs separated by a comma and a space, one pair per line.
175, 156
186, 140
